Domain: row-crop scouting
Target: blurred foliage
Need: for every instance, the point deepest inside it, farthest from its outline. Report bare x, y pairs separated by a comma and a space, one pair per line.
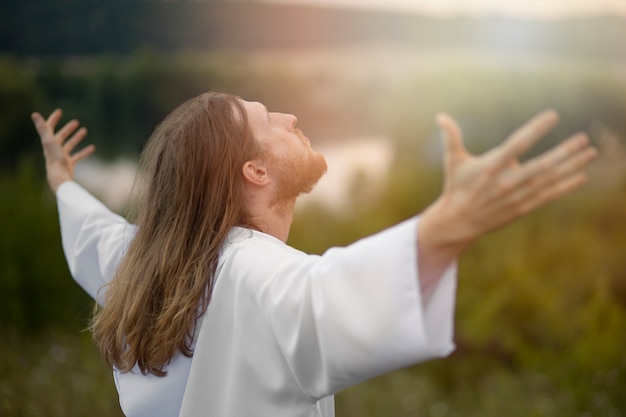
122, 98
541, 316
54, 373
34, 289
490, 102
18, 98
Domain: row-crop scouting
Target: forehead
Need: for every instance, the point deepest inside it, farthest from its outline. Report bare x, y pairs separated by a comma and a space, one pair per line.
257, 117
254, 110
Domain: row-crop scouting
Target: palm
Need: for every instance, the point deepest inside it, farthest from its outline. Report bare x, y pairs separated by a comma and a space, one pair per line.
490, 190
58, 147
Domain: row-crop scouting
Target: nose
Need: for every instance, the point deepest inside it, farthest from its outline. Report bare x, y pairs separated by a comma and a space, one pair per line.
292, 120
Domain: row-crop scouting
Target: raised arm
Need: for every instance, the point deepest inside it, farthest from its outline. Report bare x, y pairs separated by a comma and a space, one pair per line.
485, 192
93, 237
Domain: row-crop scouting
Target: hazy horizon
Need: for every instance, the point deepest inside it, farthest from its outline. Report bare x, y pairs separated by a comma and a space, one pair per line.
538, 9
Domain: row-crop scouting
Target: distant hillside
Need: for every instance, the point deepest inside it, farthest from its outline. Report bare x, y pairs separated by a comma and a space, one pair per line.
58, 27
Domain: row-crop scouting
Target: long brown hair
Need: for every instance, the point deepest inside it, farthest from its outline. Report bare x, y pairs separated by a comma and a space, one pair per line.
188, 195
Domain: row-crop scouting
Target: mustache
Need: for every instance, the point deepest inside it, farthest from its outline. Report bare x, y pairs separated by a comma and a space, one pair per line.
301, 136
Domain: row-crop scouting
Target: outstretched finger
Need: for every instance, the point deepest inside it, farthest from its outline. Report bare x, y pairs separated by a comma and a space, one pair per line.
553, 192
541, 176
453, 148
523, 138
67, 130
551, 159
75, 140
83, 153
54, 118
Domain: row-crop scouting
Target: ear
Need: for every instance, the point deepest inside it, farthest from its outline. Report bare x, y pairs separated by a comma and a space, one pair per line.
255, 173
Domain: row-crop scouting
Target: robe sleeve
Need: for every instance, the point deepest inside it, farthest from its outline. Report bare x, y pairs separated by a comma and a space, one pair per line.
94, 238
357, 312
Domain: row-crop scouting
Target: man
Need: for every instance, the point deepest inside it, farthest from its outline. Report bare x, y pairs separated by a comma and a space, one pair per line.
206, 310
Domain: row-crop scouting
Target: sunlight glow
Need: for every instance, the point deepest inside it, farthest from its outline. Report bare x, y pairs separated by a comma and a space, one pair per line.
545, 9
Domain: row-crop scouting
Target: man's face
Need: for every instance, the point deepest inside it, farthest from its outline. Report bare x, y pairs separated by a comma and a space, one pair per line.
293, 164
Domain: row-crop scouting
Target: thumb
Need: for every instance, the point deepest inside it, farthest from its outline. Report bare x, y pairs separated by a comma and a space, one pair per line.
452, 137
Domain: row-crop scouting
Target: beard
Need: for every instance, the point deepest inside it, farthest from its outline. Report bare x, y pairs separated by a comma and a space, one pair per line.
297, 176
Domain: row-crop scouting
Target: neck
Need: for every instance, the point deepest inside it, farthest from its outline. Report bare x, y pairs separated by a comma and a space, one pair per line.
275, 220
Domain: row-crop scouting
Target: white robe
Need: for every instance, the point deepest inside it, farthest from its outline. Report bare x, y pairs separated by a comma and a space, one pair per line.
284, 330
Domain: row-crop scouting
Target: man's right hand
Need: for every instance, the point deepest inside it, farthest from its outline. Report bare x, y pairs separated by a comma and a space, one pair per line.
58, 147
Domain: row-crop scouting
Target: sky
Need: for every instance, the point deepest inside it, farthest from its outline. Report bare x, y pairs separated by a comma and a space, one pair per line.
517, 8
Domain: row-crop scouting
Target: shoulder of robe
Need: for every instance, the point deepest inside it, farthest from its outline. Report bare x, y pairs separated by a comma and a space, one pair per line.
256, 260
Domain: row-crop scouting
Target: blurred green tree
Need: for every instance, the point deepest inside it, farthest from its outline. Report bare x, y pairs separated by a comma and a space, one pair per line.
36, 290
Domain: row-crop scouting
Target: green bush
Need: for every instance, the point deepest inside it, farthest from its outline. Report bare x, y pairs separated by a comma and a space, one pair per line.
36, 289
